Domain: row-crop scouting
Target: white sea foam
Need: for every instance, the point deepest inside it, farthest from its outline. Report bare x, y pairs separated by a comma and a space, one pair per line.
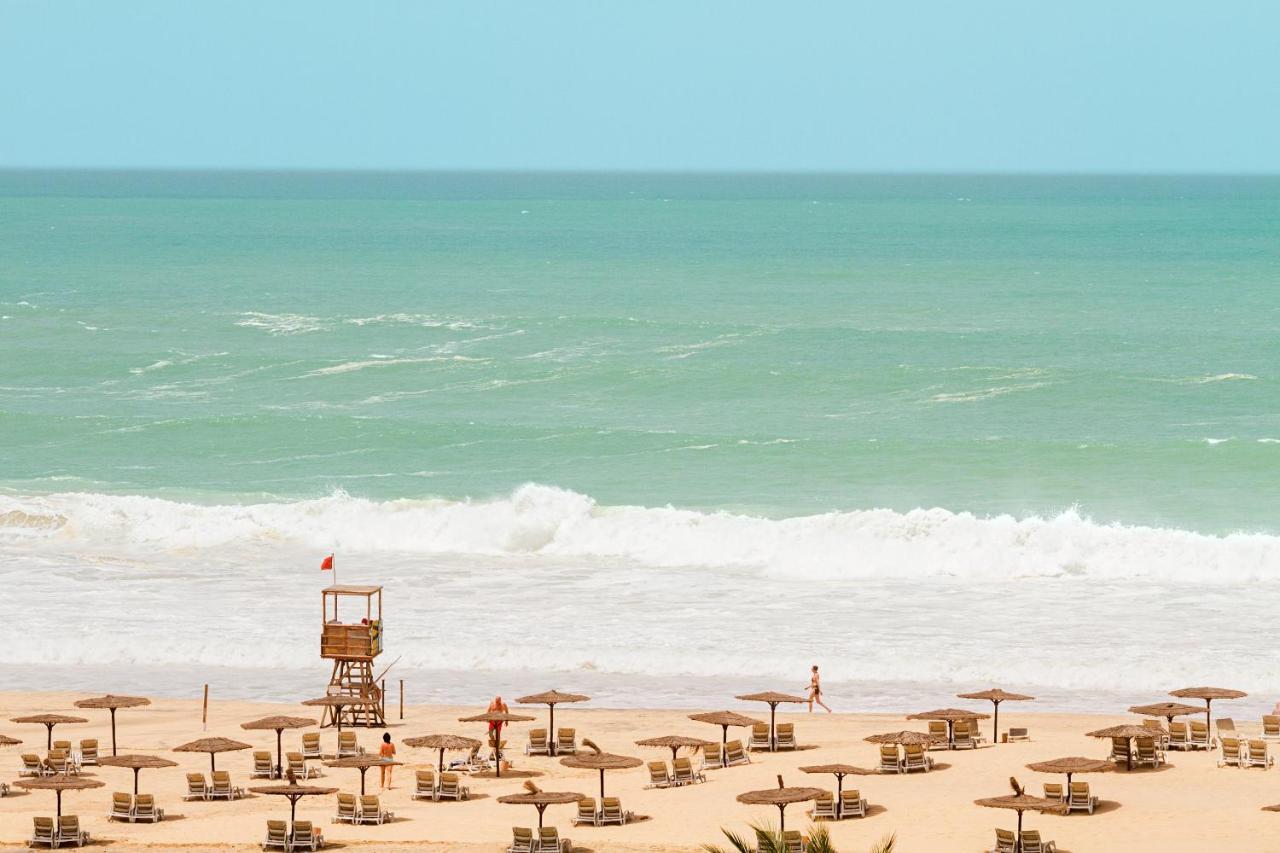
352, 366
281, 324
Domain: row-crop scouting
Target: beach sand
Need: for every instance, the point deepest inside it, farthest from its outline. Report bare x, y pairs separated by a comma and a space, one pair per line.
1189, 805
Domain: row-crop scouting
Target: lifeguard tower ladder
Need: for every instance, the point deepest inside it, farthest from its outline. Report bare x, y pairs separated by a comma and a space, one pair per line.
353, 646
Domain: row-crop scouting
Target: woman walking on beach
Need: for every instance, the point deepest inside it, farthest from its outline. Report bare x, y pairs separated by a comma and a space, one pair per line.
388, 752
815, 690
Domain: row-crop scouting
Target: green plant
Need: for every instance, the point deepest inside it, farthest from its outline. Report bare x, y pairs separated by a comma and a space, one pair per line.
769, 840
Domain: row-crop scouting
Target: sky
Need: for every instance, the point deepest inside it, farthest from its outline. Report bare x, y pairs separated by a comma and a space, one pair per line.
1084, 86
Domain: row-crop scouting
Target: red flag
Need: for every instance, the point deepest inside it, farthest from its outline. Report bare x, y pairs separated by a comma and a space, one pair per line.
326, 565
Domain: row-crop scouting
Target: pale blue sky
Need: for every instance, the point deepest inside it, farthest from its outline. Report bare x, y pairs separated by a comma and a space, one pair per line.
1136, 86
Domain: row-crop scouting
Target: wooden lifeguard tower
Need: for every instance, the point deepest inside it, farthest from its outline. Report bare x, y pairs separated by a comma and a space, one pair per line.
353, 646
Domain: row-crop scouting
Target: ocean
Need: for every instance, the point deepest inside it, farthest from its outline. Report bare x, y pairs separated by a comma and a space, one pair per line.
654, 437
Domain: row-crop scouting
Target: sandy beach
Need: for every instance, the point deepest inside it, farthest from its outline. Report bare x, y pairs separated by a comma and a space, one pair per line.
1163, 810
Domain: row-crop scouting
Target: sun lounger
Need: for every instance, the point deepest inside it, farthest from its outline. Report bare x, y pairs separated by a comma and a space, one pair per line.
1270, 726
915, 758
221, 787
311, 746
793, 841
424, 785
549, 841
89, 752
1018, 734
197, 787
1225, 725
297, 765
59, 762
45, 832
1148, 752
1120, 750
852, 804
1230, 756
1178, 736
1199, 737
69, 831
712, 756
1080, 800
277, 835
496, 748
890, 760
32, 765
1256, 755
824, 807
734, 754
371, 810
347, 811
786, 735
587, 812
521, 840
941, 737
305, 836
659, 775
611, 811
348, 746
1006, 842
1031, 843
144, 809
566, 741
684, 774
262, 766
538, 743
759, 737
964, 736
121, 807
64, 745
451, 788
1157, 731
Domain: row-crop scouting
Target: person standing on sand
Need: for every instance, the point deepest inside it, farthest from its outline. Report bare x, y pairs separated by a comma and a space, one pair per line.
495, 728
388, 752
815, 690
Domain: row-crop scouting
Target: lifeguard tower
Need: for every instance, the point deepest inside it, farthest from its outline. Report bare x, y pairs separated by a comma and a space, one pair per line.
352, 645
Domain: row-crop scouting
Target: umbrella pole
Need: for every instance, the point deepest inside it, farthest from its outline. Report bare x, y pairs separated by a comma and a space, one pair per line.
995, 724
113, 733
602, 783
551, 731
212, 766
59, 793
951, 734
48, 744
136, 770
540, 809
674, 750
362, 772
1208, 722
279, 751
773, 727
839, 796
1128, 762
441, 759
1017, 844
293, 813
724, 746
782, 818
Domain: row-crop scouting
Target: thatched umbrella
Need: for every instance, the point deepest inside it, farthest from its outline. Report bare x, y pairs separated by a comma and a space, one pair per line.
1275, 808
839, 771
1208, 694
781, 796
904, 738
501, 718
212, 745
539, 799
1021, 802
5, 740
294, 792
335, 702
724, 719
950, 715
111, 703
279, 723
363, 763
442, 742
1128, 731
1168, 710
48, 721
773, 699
136, 763
552, 698
602, 761
995, 695
674, 742
1072, 765
58, 784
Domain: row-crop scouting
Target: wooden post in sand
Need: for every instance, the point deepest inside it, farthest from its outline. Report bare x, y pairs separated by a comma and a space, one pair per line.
204, 714
402, 698
383, 697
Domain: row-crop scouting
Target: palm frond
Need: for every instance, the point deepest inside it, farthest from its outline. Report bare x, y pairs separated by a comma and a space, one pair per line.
886, 844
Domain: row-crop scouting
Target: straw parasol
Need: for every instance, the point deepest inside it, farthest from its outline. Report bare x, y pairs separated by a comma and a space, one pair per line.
539, 799
501, 718
781, 796
294, 792
1073, 764
995, 695
1168, 710
950, 715
58, 784
602, 761
279, 723
674, 742
136, 763
1275, 808
48, 721
212, 745
773, 699
904, 738
724, 719
1128, 731
1208, 694
442, 742
1021, 802
5, 740
363, 763
839, 771
111, 703
552, 698
338, 701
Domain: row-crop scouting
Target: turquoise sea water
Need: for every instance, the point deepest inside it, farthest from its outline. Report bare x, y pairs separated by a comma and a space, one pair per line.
673, 397
780, 345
